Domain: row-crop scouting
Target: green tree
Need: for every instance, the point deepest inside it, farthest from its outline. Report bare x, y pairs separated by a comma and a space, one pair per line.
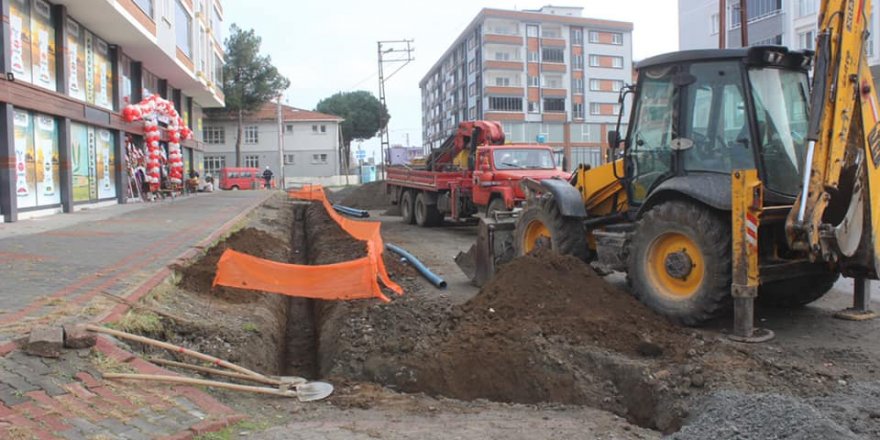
249, 79
363, 116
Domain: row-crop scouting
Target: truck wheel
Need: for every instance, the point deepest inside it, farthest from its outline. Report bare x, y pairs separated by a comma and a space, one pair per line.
796, 292
497, 204
426, 214
679, 262
406, 207
541, 225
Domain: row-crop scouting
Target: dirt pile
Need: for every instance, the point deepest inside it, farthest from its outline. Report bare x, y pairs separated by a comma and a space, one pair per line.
199, 276
367, 196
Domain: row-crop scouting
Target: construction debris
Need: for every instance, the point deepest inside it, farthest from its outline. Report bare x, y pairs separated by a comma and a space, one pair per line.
77, 336
45, 342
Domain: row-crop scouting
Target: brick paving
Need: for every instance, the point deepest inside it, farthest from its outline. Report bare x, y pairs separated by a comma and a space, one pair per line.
53, 270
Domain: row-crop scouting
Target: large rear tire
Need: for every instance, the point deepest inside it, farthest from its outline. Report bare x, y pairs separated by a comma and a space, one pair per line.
426, 214
796, 292
679, 262
542, 225
407, 207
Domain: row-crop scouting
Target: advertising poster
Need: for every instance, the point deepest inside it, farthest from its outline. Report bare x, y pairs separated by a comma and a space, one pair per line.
79, 153
25, 178
43, 45
90, 66
76, 59
103, 74
106, 177
93, 165
20, 39
48, 172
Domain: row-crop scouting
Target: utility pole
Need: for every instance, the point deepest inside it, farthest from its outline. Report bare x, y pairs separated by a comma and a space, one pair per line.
744, 22
722, 24
280, 144
390, 52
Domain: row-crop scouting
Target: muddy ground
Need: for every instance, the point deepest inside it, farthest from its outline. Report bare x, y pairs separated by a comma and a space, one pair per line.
547, 350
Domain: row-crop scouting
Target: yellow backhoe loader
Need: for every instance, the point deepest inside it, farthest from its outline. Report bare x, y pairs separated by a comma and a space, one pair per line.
736, 180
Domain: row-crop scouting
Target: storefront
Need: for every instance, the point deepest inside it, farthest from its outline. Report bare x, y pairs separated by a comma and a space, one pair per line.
37, 161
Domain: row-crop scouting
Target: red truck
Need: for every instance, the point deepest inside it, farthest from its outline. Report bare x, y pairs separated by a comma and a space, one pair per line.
473, 171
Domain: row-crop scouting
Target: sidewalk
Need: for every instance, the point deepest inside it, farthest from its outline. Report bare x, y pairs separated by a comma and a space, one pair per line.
53, 270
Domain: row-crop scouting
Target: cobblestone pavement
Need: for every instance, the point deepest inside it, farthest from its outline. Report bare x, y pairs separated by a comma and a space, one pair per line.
53, 270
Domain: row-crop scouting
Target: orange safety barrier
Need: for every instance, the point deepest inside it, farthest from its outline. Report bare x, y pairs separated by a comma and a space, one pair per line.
354, 279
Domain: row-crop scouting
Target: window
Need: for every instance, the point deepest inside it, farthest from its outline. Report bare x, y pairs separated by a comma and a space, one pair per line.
553, 81
252, 161
714, 23
577, 111
289, 159
289, 128
776, 40
606, 85
323, 128
606, 61
182, 29
146, 6
316, 129
531, 31
757, 9
472, 113
217, 24
553, 55
251, 134
597, 37
577, 85
472, 42
551, 32
533, 57
807, 39
577, 62
554, 105
214, 134
502, 56
472, 66
502, 82
601, 108
213, 164
218, 71
534, 81
534, 107
472, 90
504, 104
577, 36
319, 159
806, 7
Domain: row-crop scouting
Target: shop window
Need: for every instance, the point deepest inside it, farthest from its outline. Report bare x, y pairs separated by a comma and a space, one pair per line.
252, 161
32, 43
99, 72
93, 163
251, 134
125, 70
149, 83
36, 155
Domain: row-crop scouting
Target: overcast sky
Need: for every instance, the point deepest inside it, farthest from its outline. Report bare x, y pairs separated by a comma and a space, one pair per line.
328, 46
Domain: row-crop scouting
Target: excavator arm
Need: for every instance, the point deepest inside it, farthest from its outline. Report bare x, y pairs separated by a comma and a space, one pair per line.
833, 218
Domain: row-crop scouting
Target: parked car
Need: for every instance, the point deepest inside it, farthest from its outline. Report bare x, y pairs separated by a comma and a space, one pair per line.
233, 178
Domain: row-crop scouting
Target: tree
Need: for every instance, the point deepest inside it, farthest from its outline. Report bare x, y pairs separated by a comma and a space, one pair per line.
363, 116
249, 79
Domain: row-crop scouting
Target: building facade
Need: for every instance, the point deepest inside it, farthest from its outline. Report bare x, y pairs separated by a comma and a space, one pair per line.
548, 75
310, 142
791, 23
71, 66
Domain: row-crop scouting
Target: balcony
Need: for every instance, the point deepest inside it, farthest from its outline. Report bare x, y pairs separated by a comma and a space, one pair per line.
503, 65
503, 39
552, 42
505, 91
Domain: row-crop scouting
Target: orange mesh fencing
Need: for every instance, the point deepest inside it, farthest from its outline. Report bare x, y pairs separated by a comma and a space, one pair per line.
354, 279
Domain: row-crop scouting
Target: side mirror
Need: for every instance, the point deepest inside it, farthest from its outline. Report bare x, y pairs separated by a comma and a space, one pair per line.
613, 139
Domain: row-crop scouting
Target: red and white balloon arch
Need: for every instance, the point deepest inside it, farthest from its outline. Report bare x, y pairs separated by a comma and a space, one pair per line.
149, 110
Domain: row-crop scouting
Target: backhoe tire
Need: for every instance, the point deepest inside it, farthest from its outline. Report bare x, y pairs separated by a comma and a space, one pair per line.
796, 292
407, 206
679, 262
542, 225
426, 214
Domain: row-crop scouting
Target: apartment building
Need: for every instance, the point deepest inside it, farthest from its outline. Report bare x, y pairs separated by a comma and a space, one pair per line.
71, 66
548, 75
310, 144
791, 23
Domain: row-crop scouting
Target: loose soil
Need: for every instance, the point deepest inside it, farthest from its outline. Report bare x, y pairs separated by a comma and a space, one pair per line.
367, 196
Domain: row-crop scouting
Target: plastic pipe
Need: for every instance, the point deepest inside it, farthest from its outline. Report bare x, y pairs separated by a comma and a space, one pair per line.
360, 213
430, 276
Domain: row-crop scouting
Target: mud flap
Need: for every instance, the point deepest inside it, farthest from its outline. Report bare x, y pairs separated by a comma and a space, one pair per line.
494, 247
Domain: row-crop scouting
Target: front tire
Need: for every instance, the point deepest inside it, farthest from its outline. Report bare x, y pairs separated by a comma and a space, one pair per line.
542, 225
679, 262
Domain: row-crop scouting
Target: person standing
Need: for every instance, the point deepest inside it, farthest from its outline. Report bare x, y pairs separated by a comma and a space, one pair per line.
267, 176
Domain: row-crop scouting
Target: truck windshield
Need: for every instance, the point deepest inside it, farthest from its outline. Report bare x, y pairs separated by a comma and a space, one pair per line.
523, 159
781, 103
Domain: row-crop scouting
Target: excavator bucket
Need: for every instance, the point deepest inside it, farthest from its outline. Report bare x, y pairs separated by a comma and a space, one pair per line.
493, 248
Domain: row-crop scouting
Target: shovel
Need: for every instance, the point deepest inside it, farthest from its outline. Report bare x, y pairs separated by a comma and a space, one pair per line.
306, 392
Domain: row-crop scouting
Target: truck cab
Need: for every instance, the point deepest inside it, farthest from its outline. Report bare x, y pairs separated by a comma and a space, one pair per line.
500, 169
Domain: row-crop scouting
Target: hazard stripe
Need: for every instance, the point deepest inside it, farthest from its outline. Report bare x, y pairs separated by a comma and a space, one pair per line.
873, 107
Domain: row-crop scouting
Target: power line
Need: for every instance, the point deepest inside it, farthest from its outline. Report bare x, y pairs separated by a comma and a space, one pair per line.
390, 52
